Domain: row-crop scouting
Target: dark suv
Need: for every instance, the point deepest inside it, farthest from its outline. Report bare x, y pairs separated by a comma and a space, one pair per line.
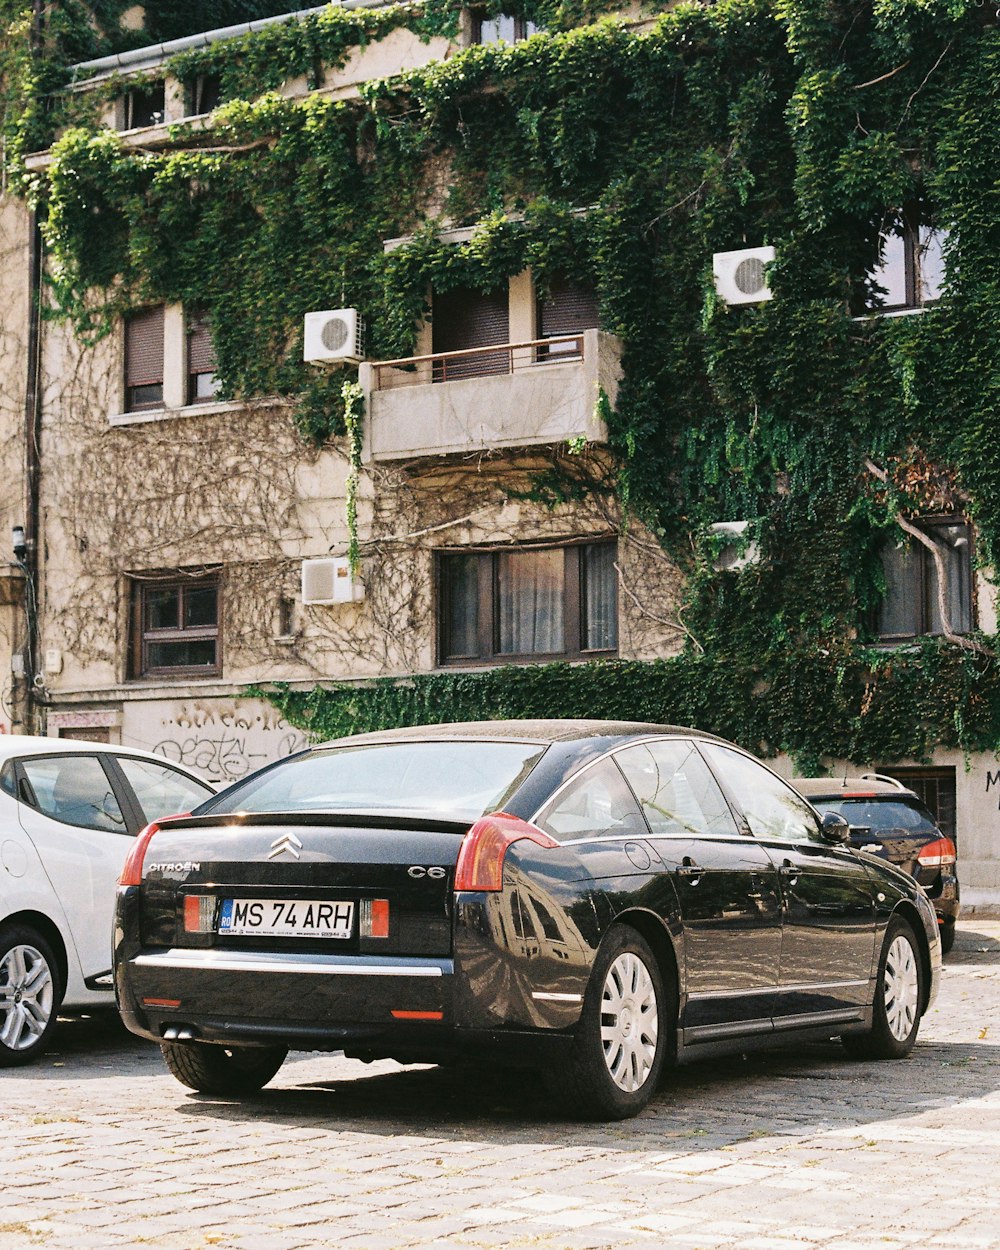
890, 821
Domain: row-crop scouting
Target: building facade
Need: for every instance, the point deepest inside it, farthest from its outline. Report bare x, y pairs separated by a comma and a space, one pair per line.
534, 425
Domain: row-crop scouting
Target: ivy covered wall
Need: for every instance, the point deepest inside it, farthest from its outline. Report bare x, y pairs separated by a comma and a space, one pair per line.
624, 156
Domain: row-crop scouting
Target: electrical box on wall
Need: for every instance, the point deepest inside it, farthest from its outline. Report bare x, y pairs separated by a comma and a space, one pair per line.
53, 660
740, 277
329, 581
334, 337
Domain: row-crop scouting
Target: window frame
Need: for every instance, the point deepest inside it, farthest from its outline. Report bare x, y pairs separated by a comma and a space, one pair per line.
915, 234
131, 386
141, 637
522, 28
925, 582
487, 604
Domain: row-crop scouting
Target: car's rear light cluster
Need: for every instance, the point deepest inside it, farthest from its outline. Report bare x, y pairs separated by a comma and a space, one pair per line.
199, 913
480, 860
131, 873
374, 918
938, 853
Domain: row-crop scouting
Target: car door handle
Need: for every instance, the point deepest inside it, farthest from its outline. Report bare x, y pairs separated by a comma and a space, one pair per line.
789, 872
690, 871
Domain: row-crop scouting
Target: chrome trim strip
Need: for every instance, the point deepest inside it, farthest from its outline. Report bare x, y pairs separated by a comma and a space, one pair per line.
323, 965
542, 997
776, 989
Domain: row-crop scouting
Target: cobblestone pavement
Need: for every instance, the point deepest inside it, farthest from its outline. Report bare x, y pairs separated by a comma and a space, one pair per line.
101, 1148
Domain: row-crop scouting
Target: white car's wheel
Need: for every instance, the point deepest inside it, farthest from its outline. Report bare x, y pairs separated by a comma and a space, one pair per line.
30, 993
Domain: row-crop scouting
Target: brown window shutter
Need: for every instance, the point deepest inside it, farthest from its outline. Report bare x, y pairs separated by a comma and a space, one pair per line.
465, 319
569, 309
144, 348
201, 353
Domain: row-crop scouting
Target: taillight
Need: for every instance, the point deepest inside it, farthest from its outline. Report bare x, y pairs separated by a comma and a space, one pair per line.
480, 861
937, 853
131, 873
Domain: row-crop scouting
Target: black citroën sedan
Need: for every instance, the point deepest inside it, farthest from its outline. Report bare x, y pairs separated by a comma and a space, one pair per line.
594, 899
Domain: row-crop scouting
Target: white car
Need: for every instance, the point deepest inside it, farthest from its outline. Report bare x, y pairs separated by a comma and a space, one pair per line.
69, 812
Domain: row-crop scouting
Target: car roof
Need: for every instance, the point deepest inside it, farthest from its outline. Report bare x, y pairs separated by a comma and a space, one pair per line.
543, 731
850, 788
16, 745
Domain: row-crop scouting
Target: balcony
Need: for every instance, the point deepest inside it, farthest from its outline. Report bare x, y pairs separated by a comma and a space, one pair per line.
530, 394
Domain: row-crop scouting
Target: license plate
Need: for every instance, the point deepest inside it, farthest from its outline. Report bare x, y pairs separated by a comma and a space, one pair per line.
300, 917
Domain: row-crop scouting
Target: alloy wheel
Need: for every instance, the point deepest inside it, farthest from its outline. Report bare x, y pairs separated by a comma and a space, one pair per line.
27, 996
629, 1022
901, 983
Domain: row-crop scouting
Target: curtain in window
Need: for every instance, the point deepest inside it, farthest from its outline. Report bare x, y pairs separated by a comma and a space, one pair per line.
530, 586
899, 613
953, 543
600, 598
460, 596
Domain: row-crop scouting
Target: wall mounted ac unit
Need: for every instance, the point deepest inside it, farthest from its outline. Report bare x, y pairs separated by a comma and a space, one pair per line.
330, 581
334, 337
734, 552
740, 277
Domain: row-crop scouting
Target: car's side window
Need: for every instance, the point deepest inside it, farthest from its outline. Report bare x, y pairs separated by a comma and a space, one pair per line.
598, 801
160, 789
74, 789
773, 810
678, 793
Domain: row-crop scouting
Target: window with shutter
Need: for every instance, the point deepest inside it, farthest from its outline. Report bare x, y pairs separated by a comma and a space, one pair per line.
465, 319
176, 625
201, 360
567, 309
144, 360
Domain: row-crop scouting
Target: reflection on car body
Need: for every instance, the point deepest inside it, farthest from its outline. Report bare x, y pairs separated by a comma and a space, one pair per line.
616, 897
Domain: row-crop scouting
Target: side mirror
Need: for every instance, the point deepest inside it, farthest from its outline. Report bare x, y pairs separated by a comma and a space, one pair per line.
834, 828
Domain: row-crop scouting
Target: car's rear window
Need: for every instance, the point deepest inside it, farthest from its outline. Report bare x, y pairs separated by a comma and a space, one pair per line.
460, 780
881, 813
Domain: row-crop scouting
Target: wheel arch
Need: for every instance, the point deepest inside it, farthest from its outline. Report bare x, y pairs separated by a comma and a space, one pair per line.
649, 926
907, 911
49, 930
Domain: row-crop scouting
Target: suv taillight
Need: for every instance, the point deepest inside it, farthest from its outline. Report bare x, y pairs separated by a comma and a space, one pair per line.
480, 861
937, 853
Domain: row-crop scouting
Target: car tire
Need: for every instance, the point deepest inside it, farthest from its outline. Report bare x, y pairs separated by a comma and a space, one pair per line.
30, 993
225, 1070
617, 1057
947, 932
899, 993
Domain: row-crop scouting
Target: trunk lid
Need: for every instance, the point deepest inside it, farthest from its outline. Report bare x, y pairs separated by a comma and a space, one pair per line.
365, 883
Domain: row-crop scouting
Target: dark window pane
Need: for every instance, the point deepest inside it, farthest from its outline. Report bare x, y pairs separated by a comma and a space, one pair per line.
201, 606
599, 801
678, 793
163, 608
150, 396
162, 791
145, 106
446, 779
530, 592
600, 598
899, 614
460, 617
197, 653
75, 789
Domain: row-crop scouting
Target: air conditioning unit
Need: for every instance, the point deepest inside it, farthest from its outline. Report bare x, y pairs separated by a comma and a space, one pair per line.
734, 553
740, 277
334, 337
330, 581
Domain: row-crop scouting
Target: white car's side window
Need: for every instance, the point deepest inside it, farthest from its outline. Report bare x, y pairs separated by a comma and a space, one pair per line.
74, 789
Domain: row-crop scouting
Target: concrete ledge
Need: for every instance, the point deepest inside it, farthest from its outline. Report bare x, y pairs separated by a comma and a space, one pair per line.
985, 903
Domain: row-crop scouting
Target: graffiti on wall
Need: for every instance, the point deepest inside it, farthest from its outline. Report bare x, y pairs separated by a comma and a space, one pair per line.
225, 739
993, 780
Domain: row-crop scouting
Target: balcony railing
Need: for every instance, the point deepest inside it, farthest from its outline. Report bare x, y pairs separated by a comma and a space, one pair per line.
475, 362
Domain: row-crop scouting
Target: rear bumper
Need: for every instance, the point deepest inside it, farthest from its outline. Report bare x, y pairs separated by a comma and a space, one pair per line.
367, 1005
